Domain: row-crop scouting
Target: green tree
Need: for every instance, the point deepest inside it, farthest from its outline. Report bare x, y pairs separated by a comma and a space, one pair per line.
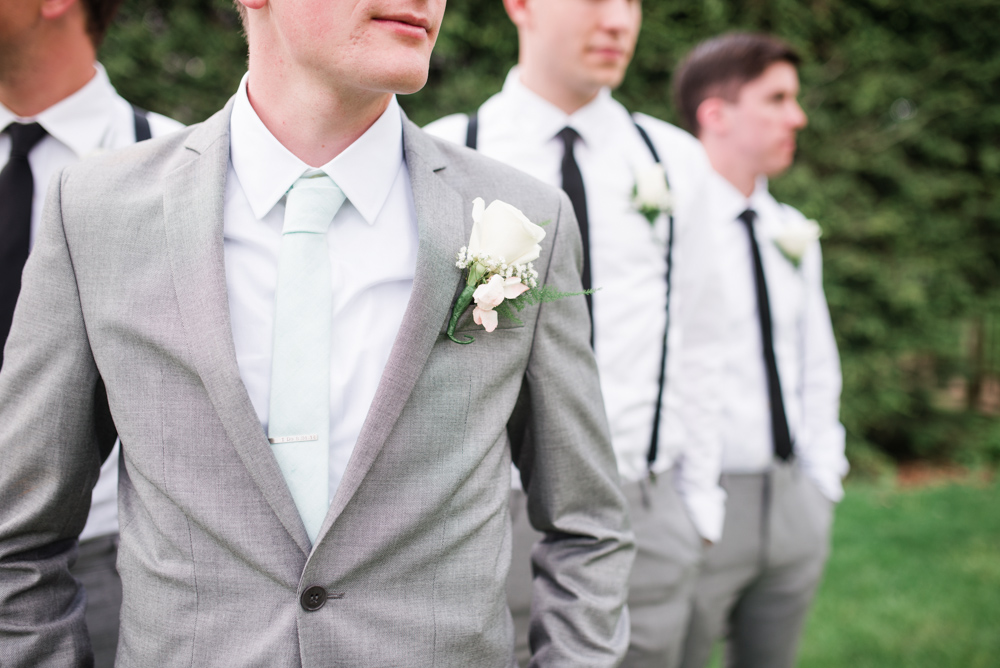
900, 165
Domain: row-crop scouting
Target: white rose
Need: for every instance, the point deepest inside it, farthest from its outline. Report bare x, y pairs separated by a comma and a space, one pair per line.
502, 231
794, 240
651, 191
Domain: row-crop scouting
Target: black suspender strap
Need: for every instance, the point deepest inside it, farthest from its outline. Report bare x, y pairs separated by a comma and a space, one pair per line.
472, 141
142, 131
654, 439
645, 138
472, 133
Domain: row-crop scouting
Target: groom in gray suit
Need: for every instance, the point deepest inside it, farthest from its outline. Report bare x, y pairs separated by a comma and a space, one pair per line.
312, 472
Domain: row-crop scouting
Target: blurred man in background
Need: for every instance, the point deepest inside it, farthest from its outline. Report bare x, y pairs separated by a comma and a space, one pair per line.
655, 314
56, 107
783, 444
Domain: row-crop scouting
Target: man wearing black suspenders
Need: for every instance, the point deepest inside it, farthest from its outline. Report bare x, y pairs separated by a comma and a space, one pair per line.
635, 185
56, 107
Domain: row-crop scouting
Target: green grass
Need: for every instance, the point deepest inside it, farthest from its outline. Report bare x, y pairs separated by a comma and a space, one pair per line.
913, 581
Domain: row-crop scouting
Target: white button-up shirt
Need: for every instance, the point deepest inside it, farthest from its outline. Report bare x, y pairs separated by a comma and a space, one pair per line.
373, 254
92, 120
804, 346
628, 269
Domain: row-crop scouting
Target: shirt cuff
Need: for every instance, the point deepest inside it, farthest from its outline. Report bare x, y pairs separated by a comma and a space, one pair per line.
706, 508
828, 482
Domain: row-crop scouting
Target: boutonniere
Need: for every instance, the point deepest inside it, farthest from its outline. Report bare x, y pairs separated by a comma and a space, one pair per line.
500, 278
794, 240
650, 194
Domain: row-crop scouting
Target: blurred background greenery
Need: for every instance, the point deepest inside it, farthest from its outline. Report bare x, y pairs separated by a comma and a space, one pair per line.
900, 165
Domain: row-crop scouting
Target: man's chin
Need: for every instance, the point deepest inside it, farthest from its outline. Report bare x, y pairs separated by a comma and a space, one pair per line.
396, 78
608, 77
403, 84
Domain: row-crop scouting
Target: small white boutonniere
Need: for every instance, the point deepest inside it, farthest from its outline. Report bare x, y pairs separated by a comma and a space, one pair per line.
501, 278
794, 240
650, 194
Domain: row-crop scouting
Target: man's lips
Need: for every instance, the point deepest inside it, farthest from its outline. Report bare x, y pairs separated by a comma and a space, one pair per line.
409, 24
607, 52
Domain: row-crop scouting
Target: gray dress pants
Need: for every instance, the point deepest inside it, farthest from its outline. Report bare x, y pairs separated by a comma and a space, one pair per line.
662, 583
96, 570
758, 582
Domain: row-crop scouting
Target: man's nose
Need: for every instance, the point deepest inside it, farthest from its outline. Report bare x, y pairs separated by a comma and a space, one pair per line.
796, 116
616, 15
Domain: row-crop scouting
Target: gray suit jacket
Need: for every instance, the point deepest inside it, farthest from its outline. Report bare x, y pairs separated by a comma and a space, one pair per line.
123, 327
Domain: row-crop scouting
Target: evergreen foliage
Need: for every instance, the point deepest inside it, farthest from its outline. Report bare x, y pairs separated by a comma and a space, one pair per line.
900, 165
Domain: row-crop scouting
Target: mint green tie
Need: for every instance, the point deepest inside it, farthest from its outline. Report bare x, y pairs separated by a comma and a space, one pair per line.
299, 420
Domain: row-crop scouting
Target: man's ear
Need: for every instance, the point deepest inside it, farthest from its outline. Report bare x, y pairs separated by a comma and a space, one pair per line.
54, 9
518, 10
712, 117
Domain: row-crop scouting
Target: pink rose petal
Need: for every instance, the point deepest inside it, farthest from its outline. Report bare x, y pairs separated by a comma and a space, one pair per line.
513, 288
488, 319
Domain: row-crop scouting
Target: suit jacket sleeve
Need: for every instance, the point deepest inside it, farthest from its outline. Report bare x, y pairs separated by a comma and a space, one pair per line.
54, 427
568, 471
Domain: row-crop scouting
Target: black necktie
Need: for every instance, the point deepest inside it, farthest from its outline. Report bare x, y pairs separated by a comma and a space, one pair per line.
779, 422
16, 191
572, 183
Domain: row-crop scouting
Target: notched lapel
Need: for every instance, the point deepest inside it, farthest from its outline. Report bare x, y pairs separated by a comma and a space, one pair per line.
442, 229
193, 206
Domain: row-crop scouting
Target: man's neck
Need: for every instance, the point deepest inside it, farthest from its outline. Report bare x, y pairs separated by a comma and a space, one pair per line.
555, 91
729, 166
310, 118
49, 71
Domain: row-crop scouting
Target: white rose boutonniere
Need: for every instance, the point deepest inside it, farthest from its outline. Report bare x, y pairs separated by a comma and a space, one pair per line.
650, 195
501, 278
794, 240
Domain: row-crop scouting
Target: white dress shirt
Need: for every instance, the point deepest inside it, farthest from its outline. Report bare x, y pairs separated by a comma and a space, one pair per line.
628, 268
804, 346
92, 120
373, 254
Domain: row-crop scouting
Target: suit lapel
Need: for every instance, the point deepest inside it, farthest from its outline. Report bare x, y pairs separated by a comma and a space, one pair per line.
193, 213
442, 229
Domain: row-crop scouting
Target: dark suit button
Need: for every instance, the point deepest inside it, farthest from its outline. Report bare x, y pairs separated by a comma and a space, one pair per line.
313, 598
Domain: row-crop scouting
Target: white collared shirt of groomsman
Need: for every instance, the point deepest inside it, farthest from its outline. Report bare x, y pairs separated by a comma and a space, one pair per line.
373, 254
93, 120
804, 346
628, 257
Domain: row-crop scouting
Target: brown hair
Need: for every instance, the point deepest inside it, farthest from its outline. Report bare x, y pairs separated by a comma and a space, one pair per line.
719, 67
99, 16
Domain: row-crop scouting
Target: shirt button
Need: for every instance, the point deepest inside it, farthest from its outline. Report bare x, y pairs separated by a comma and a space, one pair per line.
313, 598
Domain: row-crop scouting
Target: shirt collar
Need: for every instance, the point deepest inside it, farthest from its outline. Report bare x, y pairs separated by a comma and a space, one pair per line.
80, 121
365, 170
540, 120
732, 202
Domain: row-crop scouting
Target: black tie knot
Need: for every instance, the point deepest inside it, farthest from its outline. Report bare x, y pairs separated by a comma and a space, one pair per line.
569, 137
23, 137
748, 217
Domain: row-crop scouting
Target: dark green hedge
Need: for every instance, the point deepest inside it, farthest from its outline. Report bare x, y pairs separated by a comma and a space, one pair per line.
900, 165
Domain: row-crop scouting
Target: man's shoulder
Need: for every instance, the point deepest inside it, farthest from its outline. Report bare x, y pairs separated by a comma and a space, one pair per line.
163, 125
136, 164
142, 167
473, 174
453, 128
670, 137
661, 128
